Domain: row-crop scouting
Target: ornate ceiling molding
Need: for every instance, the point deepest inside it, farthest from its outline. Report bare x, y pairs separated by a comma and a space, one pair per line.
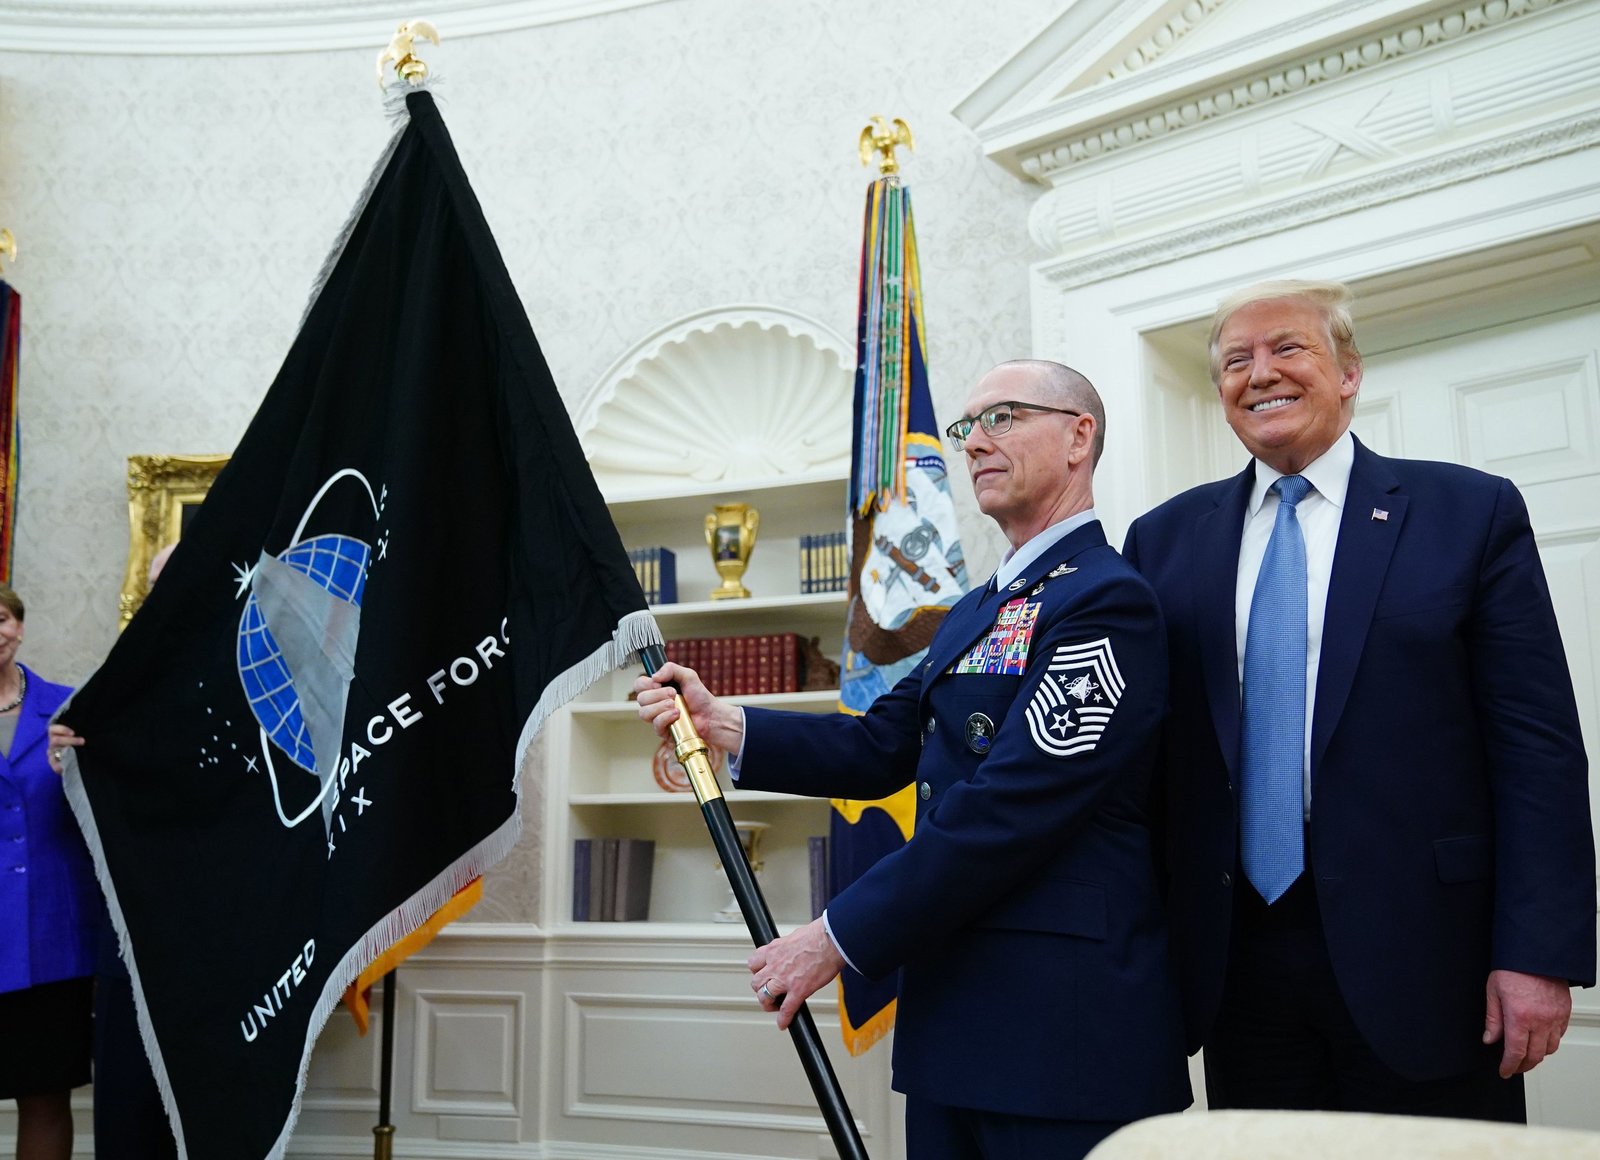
1306, 71
224, 27
1415, 176
1163, 39
734, 393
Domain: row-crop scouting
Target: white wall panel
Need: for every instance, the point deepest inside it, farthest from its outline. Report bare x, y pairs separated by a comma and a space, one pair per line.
469, 1052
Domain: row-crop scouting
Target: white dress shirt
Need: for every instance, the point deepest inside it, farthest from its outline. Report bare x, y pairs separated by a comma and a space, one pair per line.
1016, 560
1318, 513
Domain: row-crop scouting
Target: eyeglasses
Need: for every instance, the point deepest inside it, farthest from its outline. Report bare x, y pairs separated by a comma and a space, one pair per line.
995, 420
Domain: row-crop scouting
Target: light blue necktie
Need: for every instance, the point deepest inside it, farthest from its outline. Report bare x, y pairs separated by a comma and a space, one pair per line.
1272, 756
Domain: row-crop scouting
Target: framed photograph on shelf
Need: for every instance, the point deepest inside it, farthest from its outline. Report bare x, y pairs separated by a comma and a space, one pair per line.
164, 492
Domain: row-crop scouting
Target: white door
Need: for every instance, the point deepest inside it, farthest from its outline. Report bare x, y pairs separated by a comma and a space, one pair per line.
1523, 401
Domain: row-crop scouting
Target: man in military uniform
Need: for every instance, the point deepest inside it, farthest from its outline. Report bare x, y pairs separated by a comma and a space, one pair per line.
1036, 1010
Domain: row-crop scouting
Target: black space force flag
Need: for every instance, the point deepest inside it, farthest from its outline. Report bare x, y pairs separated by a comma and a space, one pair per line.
309, 737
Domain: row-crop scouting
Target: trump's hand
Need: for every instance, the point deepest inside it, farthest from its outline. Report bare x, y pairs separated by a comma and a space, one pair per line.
715, 720
789, 970
1530, 1012
61, 738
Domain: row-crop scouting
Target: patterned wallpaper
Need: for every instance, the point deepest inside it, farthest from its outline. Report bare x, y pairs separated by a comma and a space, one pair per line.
172, 212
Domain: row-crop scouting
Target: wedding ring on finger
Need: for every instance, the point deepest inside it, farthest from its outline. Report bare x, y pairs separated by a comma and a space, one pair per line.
766, 994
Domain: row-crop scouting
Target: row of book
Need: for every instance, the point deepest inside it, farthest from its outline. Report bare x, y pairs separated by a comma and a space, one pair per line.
739, 666
824, 563
657, 569
817, 854
611, 879
824, 567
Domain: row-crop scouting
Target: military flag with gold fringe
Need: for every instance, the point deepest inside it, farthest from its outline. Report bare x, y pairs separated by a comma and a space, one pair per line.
907, 566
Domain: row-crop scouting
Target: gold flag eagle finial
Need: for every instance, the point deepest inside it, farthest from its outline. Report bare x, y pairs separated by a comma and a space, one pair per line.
400, 52
8, 246
881, 136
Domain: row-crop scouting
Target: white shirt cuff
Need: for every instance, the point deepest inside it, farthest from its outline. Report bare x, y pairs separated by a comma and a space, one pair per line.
828, 928
734, 759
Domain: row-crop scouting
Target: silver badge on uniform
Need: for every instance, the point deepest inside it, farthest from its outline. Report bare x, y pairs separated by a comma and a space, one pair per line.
1061, 570
1019, 582
980, 733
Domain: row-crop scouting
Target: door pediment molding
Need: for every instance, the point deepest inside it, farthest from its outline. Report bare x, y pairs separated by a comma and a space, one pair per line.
1085, 265
1056, 107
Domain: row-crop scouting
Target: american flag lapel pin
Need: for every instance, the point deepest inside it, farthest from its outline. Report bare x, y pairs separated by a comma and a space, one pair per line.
1380, 514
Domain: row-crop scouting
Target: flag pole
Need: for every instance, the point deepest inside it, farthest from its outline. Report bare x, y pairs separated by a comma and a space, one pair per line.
400, 53
691, 751
383, 1133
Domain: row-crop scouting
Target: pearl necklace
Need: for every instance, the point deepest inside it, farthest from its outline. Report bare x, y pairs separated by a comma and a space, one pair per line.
22, 690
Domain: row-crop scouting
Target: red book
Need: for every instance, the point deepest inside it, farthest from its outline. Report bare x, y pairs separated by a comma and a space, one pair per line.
715, 663
789, 663
764, 664
699, 665
744, 665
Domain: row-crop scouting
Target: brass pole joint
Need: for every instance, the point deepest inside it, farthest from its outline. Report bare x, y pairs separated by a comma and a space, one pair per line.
694, 755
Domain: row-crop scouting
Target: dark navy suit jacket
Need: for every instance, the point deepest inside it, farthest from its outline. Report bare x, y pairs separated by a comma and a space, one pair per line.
1449, 830
1024, 912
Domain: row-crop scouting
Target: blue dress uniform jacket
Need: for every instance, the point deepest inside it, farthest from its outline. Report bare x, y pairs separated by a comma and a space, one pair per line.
1024, 912
49, 903
1449, 830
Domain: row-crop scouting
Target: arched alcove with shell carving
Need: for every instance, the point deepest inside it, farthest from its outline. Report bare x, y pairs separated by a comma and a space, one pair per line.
734, 395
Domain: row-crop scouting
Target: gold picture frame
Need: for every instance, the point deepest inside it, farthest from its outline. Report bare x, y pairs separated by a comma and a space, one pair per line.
163, 491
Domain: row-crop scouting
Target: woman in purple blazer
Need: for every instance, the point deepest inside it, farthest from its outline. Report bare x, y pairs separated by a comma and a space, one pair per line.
49, 909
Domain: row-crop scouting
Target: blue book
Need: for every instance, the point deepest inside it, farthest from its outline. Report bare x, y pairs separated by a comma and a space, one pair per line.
666, 577
817, 848
581, 858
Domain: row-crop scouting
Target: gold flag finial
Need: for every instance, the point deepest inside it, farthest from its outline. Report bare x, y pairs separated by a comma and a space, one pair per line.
406, 62
8, 246
881, 137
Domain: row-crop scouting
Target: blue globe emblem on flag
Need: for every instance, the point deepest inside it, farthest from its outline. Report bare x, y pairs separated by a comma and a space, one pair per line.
339, 565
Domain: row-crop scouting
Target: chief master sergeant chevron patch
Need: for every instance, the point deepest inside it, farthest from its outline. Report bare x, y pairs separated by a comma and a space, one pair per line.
1075, 700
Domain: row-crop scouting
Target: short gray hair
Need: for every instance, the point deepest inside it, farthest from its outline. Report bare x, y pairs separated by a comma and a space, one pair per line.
1072, 390
1332, 300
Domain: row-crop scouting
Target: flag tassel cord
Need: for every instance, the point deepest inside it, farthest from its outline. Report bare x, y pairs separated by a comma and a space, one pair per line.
691, 751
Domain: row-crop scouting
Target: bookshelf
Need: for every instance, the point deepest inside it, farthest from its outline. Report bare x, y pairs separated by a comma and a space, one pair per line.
601, 781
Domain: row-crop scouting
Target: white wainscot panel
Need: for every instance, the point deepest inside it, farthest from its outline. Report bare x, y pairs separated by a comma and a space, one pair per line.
469, 1053
1561, 1090
1534, 424
1377, 423
345, 1068
661, 1058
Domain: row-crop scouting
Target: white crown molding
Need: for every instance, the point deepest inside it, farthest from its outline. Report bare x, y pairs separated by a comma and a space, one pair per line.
1041, 128
1162, 40
1303, 73
753, 392
225, 27
1042, 90
1079, 49
1411, 177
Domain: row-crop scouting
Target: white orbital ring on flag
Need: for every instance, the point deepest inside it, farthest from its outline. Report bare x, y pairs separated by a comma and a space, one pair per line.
277, 802
323, 490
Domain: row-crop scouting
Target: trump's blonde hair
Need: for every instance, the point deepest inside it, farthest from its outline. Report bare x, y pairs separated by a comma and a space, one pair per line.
1332, 300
